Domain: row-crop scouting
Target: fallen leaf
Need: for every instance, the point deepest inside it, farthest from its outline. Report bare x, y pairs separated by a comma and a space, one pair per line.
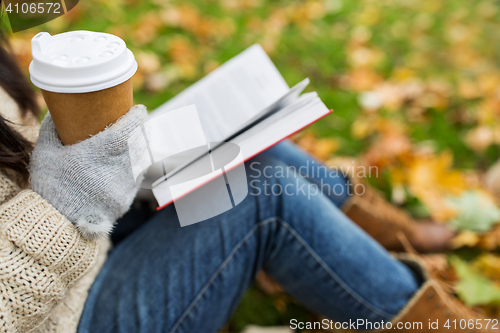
434, 173
489, 264
325, 147
491, 240
465, 238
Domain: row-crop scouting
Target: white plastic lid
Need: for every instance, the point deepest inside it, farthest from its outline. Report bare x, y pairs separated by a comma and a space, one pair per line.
80, 61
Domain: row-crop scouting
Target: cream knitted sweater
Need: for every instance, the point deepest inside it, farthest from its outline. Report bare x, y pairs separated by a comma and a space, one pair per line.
46, 267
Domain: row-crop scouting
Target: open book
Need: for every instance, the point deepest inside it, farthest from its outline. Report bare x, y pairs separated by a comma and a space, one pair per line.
244, 107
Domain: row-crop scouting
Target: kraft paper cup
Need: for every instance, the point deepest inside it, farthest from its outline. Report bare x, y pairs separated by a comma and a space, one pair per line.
80, 115
85, 79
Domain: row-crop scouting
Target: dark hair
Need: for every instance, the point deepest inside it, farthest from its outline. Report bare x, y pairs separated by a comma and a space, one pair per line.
14, 148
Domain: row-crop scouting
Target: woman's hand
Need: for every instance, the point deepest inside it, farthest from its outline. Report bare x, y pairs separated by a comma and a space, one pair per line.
90, 182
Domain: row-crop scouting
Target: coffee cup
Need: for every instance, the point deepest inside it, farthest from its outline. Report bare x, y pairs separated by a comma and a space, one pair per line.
85, 78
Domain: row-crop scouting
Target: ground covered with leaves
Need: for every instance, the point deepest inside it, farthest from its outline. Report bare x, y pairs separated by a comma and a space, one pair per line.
414, 85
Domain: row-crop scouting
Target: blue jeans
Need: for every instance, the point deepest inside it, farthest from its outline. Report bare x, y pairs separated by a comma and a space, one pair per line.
164, 278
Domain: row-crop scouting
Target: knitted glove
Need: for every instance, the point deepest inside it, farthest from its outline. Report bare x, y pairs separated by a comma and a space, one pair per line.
90, 182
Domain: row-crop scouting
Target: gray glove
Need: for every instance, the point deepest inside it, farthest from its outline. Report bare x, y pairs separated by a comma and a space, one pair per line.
90, 182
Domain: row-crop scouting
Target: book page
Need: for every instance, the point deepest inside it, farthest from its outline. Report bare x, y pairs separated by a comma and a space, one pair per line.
290, 99
232, 94
287, 99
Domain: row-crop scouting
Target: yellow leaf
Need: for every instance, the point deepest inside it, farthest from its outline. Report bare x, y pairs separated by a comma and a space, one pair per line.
468, 89
362, 127
489, 264
403, 74
398, 176
431, 179
489, 82
434, 173
465, 238
325, 147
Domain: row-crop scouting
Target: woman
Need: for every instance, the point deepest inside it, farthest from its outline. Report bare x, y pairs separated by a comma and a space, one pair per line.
158, 277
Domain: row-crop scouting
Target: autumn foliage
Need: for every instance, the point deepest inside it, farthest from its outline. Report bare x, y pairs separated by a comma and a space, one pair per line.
415, 86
